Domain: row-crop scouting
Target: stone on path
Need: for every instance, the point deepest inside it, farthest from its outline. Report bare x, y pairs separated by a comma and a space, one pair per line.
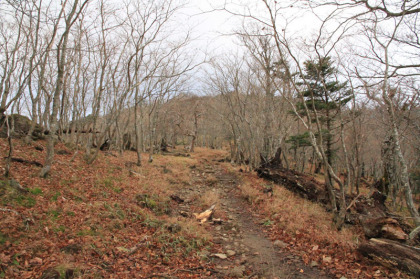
327, 259
220, 256
230, 253
280, 244
237, 271
314, 264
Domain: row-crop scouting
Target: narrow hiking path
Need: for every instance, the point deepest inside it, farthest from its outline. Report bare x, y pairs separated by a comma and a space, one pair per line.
243, 250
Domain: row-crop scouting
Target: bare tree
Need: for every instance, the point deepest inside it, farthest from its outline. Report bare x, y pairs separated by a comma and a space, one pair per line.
70, 18
390, 56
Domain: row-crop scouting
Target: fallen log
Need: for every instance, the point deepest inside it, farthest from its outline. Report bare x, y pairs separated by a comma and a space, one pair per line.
23, 161
304, 185
387, 231
392, 254
370, 212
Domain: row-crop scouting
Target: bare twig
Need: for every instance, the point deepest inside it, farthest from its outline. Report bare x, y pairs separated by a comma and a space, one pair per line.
353, 202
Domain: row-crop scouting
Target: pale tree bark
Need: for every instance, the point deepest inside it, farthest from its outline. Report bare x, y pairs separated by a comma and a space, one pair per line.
381, 51
286, 53
61, 62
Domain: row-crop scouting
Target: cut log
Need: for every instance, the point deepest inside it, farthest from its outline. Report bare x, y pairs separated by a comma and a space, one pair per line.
205, 215
392, 254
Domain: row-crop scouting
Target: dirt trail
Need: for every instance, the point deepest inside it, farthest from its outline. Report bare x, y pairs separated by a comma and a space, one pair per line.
240, 236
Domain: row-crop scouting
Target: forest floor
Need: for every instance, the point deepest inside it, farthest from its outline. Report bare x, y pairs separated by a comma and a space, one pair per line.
113, 219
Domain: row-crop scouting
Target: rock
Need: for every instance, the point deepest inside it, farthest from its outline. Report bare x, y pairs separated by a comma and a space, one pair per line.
220, 256
22, 125
314, 264
237, 271
326, 259
280, 244
342, 277
218, 228
315, 248
230, 253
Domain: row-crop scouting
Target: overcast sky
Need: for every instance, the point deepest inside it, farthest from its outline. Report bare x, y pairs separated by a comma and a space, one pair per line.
212, 27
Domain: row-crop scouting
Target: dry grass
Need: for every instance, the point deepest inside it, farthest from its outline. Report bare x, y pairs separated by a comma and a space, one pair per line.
192, 228
211, 180
209, 154
209, 198
250, 193
295, 214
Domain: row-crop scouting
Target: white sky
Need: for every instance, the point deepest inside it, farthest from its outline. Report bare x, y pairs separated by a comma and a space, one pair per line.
213, 27
210, 27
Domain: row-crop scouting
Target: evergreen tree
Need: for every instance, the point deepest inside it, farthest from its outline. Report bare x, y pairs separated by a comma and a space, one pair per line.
325, 96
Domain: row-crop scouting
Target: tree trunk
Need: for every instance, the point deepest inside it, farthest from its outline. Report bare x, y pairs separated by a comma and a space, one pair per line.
52, 135
137, 124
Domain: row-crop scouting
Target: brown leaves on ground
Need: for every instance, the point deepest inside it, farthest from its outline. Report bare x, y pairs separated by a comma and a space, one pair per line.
309, 232
85, 220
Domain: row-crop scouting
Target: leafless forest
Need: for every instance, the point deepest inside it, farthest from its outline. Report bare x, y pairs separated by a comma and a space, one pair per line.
341, 99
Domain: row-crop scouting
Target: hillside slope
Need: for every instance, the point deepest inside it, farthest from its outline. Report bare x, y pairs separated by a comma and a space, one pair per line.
113, 219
